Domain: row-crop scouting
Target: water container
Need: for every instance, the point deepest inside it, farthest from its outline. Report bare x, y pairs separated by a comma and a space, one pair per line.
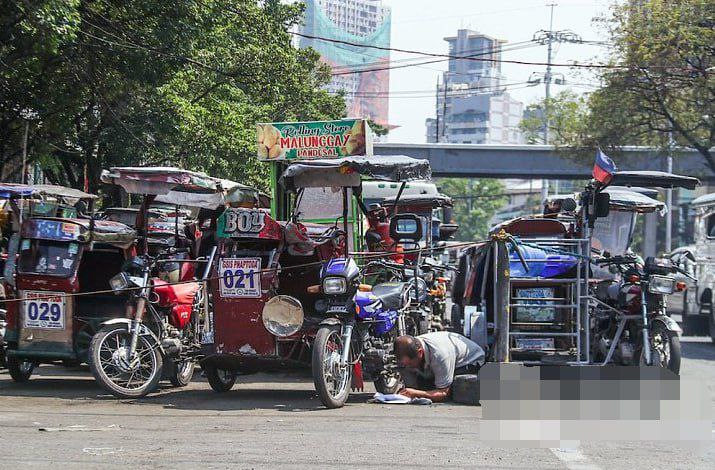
548, 265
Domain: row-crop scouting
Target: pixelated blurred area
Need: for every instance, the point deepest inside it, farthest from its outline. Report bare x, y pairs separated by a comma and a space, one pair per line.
558, 406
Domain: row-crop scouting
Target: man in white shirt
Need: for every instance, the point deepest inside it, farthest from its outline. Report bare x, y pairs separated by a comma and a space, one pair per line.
431, 361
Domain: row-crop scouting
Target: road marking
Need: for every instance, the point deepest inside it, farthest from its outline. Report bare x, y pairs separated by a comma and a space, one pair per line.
573, 459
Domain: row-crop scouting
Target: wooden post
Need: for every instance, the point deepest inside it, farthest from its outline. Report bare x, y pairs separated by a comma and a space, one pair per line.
501, 300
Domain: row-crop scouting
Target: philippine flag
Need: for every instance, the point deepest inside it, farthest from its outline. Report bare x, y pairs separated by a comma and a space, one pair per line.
603, 168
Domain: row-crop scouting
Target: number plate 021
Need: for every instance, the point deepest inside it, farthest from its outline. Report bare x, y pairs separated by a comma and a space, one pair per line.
43, 310
240, 277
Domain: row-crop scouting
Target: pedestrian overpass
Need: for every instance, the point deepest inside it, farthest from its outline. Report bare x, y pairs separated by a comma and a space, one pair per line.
539, 161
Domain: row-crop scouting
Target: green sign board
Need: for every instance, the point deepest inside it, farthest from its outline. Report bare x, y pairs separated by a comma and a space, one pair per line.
311, 140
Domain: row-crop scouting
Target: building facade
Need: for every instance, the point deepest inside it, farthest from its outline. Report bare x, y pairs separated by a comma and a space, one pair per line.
358, 71
472, 104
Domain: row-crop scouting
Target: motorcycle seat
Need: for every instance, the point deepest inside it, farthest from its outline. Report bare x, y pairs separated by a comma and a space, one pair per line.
392, 294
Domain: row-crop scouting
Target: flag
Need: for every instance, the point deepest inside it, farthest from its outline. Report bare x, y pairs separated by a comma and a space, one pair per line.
603, 168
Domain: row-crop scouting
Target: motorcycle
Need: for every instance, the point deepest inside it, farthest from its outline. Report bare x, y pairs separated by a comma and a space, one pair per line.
128, 356
630, 324
355, 342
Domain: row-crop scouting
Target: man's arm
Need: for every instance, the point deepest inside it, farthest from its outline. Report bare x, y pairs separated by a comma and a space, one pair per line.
437, 395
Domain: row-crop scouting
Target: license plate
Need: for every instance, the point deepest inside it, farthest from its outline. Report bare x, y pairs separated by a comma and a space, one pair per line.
338, 309
535, 343
44, 310
240, 277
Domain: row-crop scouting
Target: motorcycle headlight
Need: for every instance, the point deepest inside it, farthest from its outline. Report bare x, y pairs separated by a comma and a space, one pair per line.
119, 282
335, 285
661, 285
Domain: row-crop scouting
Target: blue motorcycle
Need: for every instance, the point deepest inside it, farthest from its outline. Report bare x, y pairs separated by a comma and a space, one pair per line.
354, 342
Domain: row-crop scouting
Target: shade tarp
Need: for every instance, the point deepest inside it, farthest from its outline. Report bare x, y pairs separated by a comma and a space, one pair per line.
347, 171
173, 185
9, 190
433, 200
654, 179
623, 198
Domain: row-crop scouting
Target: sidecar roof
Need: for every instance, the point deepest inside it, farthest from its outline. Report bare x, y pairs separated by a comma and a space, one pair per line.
347, 171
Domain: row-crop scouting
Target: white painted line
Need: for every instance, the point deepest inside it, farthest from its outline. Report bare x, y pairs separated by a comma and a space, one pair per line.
573, 459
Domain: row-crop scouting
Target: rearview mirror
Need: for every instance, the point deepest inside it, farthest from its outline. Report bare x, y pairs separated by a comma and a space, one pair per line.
447, 231
406, 227
602, 205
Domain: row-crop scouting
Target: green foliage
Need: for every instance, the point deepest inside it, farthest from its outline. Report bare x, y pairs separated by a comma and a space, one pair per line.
476, 201
567, 114
182, 83
666, 85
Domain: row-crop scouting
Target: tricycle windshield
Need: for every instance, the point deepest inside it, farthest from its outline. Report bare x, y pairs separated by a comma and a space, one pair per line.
48, 257
613, 233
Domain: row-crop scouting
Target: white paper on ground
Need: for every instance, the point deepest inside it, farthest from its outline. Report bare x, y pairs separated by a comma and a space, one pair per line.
394, 398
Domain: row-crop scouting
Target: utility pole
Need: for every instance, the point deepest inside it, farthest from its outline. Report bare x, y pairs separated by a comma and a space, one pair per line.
669, 199
548, 38
24, 152
547, 83
436, 105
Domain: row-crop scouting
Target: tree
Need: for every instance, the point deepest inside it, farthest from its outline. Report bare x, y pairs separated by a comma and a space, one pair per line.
665, 84
475, 203
183, 83
567, 115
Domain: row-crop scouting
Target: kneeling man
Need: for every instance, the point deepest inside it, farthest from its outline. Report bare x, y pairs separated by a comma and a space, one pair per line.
431, 361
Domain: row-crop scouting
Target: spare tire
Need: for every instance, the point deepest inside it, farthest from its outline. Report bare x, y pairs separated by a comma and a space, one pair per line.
465, 389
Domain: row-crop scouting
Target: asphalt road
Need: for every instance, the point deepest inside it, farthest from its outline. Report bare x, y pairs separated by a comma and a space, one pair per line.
61, 417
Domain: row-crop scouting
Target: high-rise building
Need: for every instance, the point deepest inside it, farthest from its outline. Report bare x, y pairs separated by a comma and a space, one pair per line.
473, 106
354, 23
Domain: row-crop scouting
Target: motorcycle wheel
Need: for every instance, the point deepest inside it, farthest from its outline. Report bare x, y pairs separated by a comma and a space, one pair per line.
221, 380
665, 347
181, 373
332, 384
107, 361
20, 369
388, 384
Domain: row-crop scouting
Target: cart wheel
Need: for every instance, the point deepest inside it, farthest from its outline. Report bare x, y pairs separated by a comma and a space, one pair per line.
20, 369
181, 373
221, 380
388, 384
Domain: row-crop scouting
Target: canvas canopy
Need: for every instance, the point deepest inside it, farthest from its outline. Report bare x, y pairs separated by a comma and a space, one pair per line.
653, 179
9, 190
433, 200
172, 185
347, 171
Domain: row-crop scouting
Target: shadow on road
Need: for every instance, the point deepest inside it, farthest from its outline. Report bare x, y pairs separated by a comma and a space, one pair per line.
697, 348
287, 392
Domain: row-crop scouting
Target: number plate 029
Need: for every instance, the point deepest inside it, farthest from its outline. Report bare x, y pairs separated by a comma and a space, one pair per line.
44, 310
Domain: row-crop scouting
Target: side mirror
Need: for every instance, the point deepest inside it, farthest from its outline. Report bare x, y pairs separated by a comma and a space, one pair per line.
602, 206
568, 204
405, 227
447, 231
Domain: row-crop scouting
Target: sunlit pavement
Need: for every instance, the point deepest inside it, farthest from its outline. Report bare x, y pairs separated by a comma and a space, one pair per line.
61, 417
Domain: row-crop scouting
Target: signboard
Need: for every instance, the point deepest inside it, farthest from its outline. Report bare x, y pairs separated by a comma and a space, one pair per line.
240, 277
312, 140
44, 310
241, 223
539, 312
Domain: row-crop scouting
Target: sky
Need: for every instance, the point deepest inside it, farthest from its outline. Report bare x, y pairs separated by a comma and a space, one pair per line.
423, 24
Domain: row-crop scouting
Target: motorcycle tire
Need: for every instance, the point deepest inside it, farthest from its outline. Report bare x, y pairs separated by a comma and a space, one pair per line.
181, 373
20, 369
674, 342
221, 380
330, 400
388, 385
98, 356
711, 323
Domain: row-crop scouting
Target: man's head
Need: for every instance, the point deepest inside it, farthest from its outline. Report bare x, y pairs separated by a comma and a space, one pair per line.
409, 352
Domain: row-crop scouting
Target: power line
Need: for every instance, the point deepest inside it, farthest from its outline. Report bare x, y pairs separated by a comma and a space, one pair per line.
477, 59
